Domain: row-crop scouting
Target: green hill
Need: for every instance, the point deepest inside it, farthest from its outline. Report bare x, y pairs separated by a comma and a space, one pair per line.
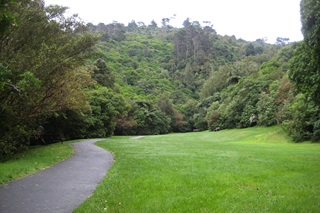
74, 80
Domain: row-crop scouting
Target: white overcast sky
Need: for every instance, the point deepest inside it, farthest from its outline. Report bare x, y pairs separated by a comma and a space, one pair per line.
246, 19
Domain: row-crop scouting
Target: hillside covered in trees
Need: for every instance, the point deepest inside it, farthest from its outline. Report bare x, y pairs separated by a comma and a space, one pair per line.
63, 78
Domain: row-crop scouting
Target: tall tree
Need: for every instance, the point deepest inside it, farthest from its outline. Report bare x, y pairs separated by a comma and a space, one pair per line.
153, 24
106, 106
305, 66
103, 74
132, 26
43, 68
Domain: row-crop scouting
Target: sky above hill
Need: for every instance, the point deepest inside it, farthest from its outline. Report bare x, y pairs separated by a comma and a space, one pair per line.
246, 19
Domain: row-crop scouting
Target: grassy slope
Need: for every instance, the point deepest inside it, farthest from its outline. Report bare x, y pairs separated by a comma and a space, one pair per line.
33, 160
247, 170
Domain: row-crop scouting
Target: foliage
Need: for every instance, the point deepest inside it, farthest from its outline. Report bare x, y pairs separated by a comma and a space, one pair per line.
266, 110
306, 62
103, 74
304, 71
177, 122
65, 125
255, 94
304, 121
42, 71
150, 120
106, 106
90, 80
7, 19
146, 68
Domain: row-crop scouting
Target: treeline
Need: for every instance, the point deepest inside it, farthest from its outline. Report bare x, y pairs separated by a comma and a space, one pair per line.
62, 79
43, 74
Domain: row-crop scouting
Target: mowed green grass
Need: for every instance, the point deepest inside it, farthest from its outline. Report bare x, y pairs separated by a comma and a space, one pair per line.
33, 160
244, 170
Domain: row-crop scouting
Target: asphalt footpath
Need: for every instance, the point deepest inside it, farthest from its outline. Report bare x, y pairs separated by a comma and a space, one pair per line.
60, 188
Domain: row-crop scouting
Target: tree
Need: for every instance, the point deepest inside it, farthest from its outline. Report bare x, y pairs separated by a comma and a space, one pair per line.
250, 50
305, 66
125, 123
213, 116
165, 22
216, 82
115, 31
132, 26
103, 74
150, 120
266, 109
186, 23
282, 41
7, 18
309, 10
304, 121
176, 118
42, 69
153, 24
106, 106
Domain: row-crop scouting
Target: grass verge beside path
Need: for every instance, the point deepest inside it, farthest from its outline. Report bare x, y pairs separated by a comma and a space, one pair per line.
244, 170
33, 160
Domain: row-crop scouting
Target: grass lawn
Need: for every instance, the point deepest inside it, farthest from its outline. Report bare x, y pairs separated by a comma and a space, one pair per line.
33, 160
244, 170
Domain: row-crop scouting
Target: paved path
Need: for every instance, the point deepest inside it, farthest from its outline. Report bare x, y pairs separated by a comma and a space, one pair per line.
60, 188
137, 137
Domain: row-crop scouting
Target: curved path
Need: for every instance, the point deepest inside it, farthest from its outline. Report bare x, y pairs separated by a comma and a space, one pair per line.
60, 188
